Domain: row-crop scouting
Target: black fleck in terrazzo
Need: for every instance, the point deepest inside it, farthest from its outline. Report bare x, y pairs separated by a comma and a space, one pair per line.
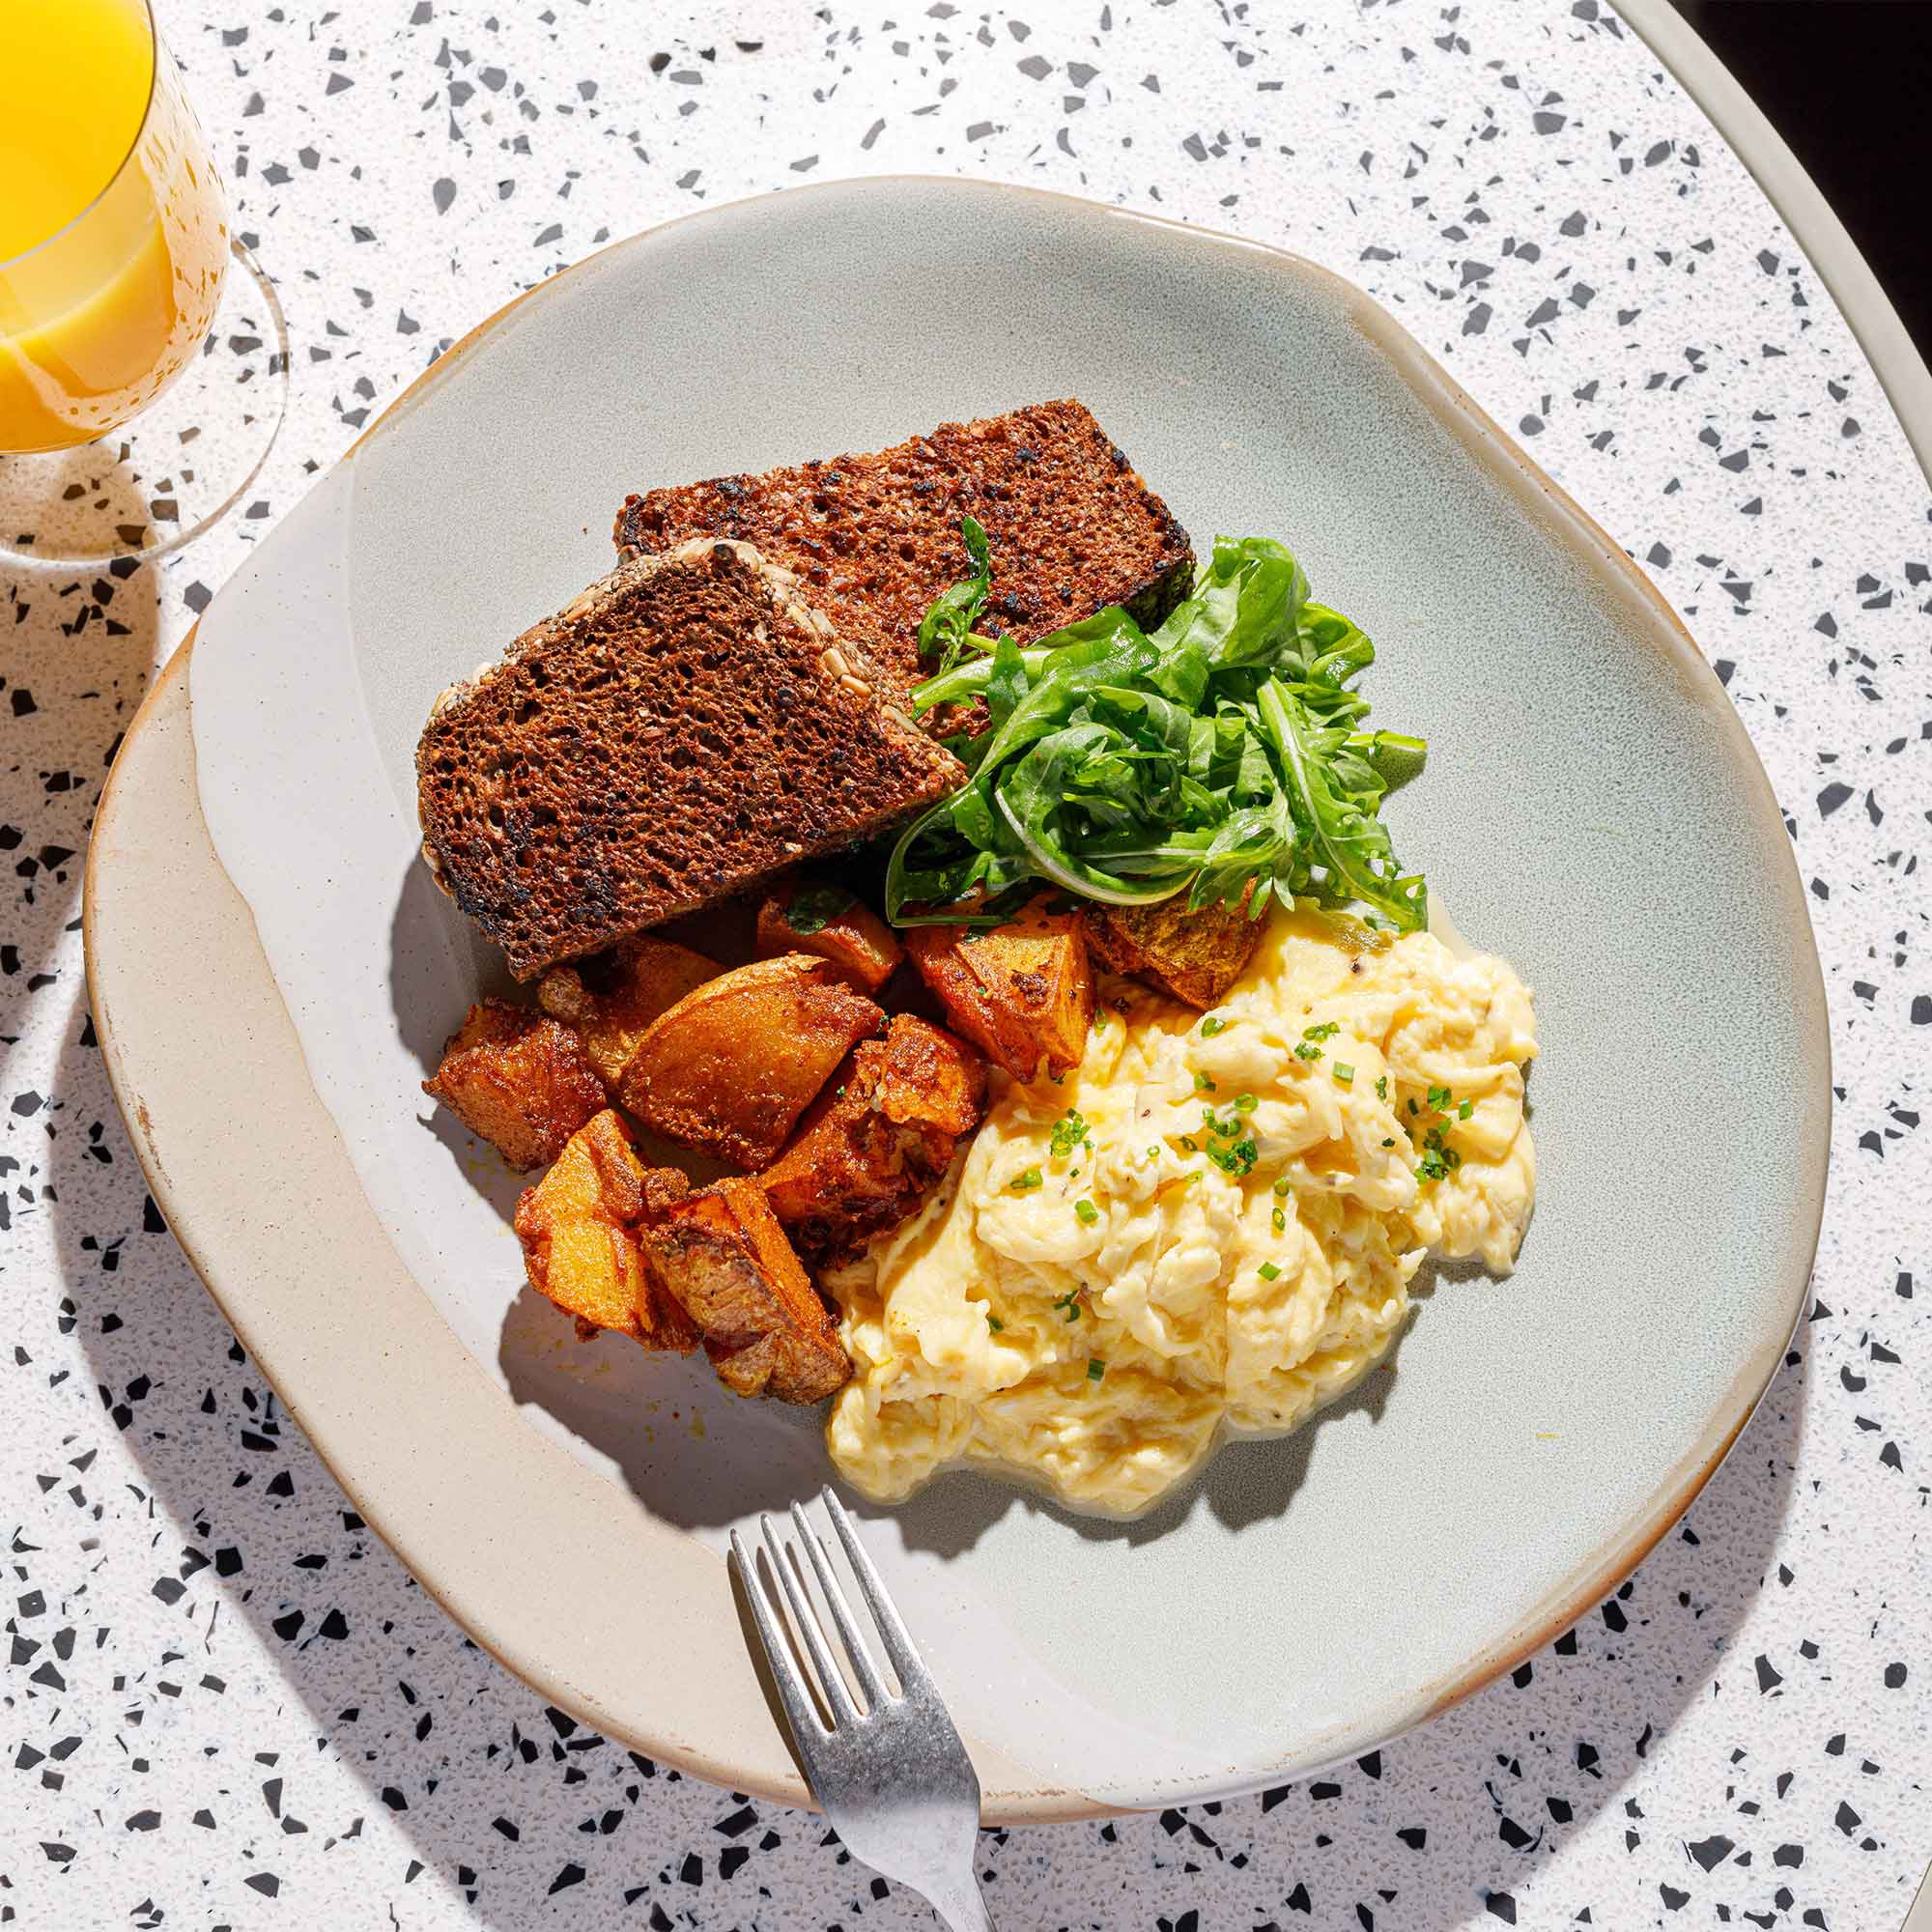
227, 1705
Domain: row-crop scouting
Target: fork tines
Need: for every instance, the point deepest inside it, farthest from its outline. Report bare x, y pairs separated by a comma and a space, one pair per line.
831, 1681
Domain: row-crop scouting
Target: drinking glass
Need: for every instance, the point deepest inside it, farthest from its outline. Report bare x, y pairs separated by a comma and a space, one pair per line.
141, 383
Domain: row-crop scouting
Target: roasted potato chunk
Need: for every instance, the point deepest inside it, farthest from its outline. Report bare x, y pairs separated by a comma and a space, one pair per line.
730, 1068
806, 915
724, 1257
610, 999
878, 1140
579, 1227
1194, 955
1022, 992
518, 1080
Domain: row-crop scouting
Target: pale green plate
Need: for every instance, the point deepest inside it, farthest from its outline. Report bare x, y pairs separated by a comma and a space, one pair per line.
1592, 809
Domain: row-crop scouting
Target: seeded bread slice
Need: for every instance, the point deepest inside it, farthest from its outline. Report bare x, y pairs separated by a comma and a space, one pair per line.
684, 727
875, 538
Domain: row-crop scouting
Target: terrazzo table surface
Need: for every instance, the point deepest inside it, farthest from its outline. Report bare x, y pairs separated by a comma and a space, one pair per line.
226, 1704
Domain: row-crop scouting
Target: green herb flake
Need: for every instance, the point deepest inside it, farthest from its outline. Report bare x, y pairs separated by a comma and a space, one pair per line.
1096, 1368
1327, 1030
1190, 1144
1468, 1108
1439, 1157
1070, 1304
1068, 1132
1307, 1052
1388, 1144
1086, 1212
1213, 1025
1239, 1160
1278, 1220
1244, 1103
1440, 1098
814, 908
1203, 1083
1382, 1088
1281, 1188
994, 1323
1025, 1183
1268, 1271
1344, 1073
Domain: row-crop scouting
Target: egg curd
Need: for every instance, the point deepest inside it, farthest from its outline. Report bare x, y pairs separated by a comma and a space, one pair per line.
1211, 1224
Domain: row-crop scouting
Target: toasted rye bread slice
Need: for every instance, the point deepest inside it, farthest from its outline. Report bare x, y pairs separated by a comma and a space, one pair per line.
874, 539
683, 728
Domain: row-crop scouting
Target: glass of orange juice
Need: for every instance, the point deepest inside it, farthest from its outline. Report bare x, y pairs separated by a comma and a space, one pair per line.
141, 383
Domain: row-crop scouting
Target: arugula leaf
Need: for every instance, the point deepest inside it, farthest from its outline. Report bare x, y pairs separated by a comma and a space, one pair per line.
947, 625
1222, 757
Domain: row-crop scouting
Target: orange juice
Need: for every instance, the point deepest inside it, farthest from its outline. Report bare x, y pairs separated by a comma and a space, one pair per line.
113, 233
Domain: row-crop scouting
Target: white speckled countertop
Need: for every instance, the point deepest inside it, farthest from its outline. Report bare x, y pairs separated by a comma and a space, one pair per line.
227, 1705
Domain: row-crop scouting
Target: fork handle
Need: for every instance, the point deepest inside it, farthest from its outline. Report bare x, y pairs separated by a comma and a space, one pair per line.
962, 1906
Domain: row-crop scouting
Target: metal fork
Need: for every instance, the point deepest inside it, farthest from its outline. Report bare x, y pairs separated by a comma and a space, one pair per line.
894, 1777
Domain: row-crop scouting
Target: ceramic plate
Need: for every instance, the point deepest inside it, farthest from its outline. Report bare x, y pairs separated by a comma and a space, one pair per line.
1592, 809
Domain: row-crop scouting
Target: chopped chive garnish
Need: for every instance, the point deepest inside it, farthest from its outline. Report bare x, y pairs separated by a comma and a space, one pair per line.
1244, 1103
1278, 1220
1388, 1144
1267, 1271
1280, 1186
1306, 1052
1236, 1160
1025, 1183
1203, 1083
1343, 1072
1439, 1157
1468, 1108
1096, 1368
1440, 1098
1070, 1304
1382, 1088
1086, 1212
994, 1323
1068, 1131
1210, 1025
1190, 1144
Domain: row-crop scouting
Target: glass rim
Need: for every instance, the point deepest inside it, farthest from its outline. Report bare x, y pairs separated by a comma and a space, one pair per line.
67, 228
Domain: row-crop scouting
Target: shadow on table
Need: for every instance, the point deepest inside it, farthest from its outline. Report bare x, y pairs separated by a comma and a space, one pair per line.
1669, 1660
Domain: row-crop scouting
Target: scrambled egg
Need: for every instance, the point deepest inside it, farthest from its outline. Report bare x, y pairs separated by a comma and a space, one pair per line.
1212, 1224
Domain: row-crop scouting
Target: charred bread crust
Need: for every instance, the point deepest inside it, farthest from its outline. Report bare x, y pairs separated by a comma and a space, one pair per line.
682, 729
874, 538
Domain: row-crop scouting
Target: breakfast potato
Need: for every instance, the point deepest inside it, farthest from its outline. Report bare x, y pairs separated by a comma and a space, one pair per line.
610, 999
1194, 955
878, 1140
809, 916
580, 1229
732, 1066
722, 1254
1022, 992
521, 1082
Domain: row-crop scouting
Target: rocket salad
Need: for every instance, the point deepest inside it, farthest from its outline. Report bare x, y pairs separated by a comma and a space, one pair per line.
1222, 755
